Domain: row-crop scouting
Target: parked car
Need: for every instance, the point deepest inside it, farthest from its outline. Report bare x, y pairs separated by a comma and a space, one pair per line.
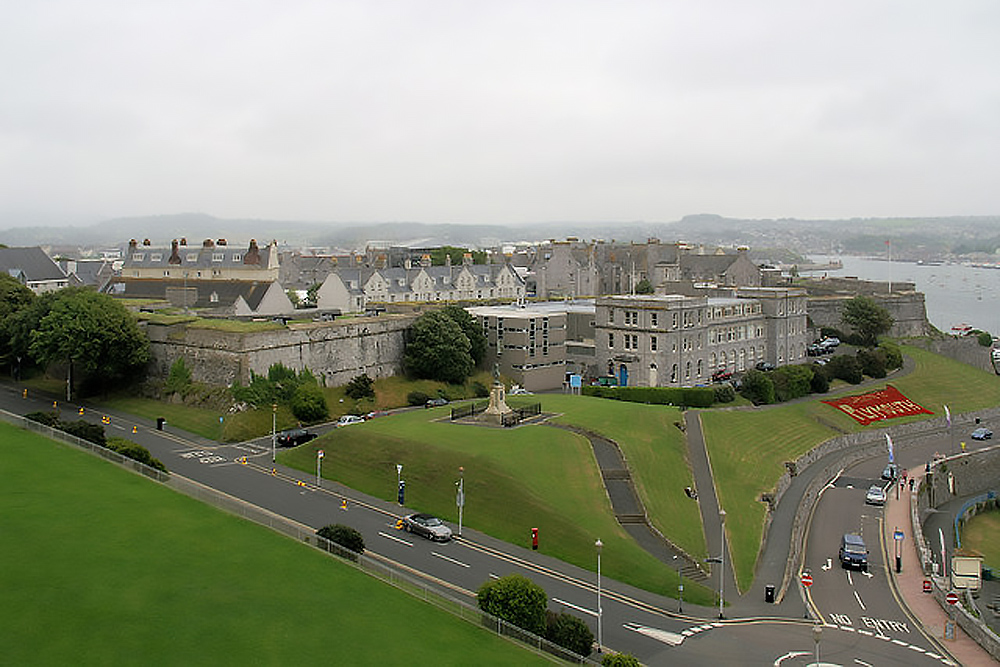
981, 433
375, 413
518, 390
853, 552
890, 472
817, 350
875, 495
830, 342
764, 366
721, 375
347, 420
435, 402
427, 525
294, 437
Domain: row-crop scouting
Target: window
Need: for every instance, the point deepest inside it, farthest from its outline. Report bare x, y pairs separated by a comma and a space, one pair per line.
156, 257
237, 258
611, 340
652, 343
218, 256
631, 318
138, 256
653, 319
191, 257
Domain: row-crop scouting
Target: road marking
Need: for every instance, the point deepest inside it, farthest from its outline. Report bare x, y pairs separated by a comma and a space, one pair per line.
450, 560
664, 636
850, 579
793, 654
395, 539
858, 598
862, 663
583, 610
829, 564
868, 574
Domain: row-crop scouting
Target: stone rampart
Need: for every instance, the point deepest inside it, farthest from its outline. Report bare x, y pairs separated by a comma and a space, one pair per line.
907, 309
333, 351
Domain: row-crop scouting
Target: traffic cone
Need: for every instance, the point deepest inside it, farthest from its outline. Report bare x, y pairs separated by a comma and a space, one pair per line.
343, 504
134, 428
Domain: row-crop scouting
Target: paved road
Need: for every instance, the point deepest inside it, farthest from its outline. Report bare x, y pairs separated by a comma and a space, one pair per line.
634, 621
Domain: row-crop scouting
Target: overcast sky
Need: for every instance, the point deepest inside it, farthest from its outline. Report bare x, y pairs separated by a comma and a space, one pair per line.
498, 112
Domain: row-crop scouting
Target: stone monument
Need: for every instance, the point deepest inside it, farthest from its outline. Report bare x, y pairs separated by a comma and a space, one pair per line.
498, 401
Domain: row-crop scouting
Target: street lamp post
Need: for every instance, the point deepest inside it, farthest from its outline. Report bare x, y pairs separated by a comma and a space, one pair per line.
817, 632
274, 436
680, 586
399, 473
600, 634
460, 499
722, 561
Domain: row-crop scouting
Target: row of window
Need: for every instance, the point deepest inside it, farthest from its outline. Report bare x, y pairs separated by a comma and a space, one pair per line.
191, 257
692, 316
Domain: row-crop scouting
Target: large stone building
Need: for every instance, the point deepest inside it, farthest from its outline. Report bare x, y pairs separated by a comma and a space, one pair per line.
356, 289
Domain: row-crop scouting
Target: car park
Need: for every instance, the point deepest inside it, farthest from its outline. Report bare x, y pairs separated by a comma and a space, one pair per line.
875, 495
853, 552
981, 433
427, 525
890, 472
435, 402
347, 420
294, 437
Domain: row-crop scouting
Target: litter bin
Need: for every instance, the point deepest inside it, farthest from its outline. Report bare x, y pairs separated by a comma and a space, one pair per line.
769, 593
160, 421
987, 574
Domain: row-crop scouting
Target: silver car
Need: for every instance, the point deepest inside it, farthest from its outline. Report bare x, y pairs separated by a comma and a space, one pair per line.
875, 495
427, 525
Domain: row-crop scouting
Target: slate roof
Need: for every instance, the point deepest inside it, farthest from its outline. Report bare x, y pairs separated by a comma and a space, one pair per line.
32, 263
226, 291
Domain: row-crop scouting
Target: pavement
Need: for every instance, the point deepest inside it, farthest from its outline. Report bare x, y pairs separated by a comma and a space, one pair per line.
909, 585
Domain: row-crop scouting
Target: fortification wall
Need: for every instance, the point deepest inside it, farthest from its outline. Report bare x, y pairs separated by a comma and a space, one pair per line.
908, 312
333, 351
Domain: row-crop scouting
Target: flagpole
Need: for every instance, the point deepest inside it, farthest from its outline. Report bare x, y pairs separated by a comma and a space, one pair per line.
888, 250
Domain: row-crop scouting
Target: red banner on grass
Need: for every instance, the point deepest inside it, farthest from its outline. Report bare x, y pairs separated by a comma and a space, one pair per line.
886, 403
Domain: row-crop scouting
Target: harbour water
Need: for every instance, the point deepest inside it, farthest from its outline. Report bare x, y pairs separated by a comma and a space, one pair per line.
953, 293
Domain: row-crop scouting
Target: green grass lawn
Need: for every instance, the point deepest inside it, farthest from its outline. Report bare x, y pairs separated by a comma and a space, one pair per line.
982, 533
533, 476
748, 448
104, 567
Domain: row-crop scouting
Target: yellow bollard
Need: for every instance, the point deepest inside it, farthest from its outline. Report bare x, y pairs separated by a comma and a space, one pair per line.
24, 394
81, 410
135, 429
343, 504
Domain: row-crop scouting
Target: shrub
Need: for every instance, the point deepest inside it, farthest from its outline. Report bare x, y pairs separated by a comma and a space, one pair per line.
47, 418
516, 599
360, 386
820, 383
698, 397
872, 362
757, 388
791, 381
134, 451
480, 390
417, 398
345, 536
724, 393
179, 379
85, 431
844, 367
985, 338
569, 632
620, 660
893, 357
309, 404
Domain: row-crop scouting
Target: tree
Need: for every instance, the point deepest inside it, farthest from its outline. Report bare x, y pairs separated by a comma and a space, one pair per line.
437, 349
360, 386
94, 334
345, 536
757, 387
516, 599
472, 331
308, 403
867, 318
791, 381
179, 379
569, 632
644, 287
15, 298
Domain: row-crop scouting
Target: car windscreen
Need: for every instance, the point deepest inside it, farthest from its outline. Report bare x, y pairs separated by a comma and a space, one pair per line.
432, 521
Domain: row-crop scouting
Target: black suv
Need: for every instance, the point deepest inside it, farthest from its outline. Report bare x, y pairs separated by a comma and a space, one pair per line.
294, 437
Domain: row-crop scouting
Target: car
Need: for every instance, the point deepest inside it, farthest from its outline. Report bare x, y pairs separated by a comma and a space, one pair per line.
764, 366
875, 495
427, 525
981, 433
294, 437
518, 390
435, 402
375, 413
816, 350
890, 472
830, 342
721, 375
853, 552
347, 420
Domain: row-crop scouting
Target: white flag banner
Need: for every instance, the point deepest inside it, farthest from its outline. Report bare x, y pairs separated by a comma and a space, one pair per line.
947, 415
888, 442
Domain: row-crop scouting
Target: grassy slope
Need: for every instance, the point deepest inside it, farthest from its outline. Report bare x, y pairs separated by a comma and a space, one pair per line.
515, 479
748, 448
100, 566
982, 533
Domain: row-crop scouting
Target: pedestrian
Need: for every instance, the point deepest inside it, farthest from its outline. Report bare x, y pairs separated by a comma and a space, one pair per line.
911, 485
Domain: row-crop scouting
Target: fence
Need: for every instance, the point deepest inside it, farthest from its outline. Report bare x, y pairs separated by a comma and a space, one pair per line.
468, 410
515, 417
372, 565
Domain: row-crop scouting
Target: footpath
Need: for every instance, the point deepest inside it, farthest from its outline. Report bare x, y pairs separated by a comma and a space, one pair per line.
909, 584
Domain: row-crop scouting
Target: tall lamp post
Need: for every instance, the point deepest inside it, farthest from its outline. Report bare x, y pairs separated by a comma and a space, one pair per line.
680, 586
722, 561
817, 632
274, 436
460, 498
600, 633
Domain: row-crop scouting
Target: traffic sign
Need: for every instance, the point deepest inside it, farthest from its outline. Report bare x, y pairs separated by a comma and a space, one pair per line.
927, 585
807, 579
951, 598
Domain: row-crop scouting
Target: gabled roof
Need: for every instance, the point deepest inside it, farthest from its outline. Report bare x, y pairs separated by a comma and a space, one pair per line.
211, 294
33, 263
206, 256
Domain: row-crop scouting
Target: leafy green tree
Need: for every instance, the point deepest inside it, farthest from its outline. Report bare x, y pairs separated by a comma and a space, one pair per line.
791, 381
94, 334
867, 318
569, 632
14, 299
644, 287
360, 386
820, 382
472, 331
293, 296
872, 361
620, 660
179, 379
438, 349
312, 294
985, 338
757, 387
345, 536
516, 599
308, 403
845, 367
893, 357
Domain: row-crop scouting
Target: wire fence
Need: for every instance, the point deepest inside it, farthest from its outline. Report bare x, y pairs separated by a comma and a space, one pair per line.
373, 565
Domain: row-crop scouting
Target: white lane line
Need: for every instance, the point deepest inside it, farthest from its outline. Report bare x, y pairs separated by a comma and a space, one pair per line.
573, 606
918, 649
858, 598
395, 539
862, 663
787, 656
450, 560
899, 642
850, 579
664, 636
